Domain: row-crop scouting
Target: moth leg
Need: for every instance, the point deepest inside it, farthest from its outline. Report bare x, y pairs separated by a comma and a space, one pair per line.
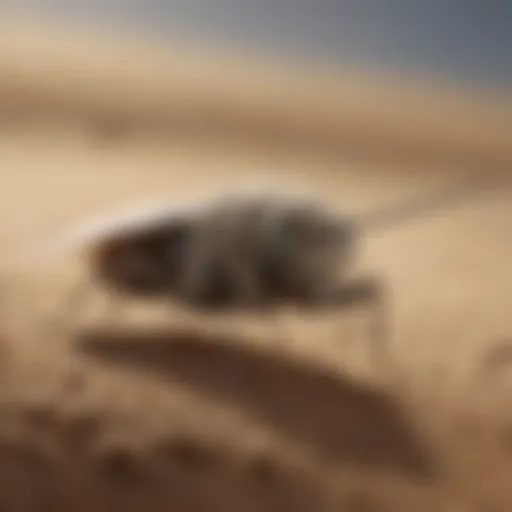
280, 324
12, 299
9, 292
368, 292
379, 326
114, 310
70, 315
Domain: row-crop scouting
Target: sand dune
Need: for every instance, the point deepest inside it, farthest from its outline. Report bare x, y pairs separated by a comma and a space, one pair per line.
169, 413
119, 86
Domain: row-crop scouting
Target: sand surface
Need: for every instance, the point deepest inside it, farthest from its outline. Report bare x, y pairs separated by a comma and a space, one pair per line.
171, 412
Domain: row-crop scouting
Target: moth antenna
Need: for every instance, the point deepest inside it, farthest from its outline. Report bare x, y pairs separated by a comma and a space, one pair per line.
412, 208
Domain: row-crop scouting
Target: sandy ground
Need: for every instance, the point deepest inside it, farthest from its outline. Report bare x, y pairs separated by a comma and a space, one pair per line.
172, 412
209, 414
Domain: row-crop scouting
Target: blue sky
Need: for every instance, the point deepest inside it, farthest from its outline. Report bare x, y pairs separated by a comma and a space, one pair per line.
465, 40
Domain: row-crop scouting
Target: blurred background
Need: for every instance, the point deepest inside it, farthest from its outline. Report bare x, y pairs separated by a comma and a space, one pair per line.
460, 40
430, 79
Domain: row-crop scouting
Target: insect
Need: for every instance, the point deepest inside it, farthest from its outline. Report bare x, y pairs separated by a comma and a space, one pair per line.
239, 248
244, 248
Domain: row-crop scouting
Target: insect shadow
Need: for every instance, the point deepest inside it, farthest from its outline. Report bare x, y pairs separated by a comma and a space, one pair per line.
366, 293
341, 420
